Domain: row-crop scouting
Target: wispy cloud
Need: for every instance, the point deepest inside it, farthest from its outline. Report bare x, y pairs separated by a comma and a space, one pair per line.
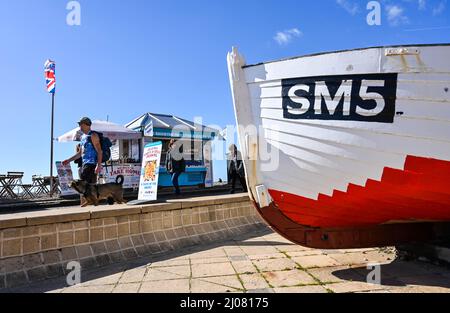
422, 4
349, 6
285, 37
396, 15
427, 28
439, 8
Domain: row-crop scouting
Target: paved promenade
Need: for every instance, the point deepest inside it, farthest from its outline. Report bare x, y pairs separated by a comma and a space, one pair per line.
260, 262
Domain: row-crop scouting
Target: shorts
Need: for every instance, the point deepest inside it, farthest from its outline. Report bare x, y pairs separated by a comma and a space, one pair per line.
88, 173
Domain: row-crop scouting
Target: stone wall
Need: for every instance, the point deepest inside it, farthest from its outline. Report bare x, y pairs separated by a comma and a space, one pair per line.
39, 245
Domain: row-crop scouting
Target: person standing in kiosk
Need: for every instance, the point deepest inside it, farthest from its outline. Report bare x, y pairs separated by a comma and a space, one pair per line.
236, 169
175, 163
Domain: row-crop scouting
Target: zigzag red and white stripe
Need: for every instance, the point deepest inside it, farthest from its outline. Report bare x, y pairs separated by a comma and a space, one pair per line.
420, 192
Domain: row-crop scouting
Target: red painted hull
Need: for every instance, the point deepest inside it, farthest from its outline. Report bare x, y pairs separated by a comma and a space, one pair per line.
420, 192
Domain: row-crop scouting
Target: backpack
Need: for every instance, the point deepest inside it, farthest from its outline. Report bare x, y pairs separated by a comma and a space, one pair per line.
106, 145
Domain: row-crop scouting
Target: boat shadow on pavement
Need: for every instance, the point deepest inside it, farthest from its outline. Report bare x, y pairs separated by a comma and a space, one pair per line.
398, 273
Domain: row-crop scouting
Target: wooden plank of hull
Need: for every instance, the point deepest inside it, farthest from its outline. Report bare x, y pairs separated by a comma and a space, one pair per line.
340, 174
406, 145
432, 129
432, 60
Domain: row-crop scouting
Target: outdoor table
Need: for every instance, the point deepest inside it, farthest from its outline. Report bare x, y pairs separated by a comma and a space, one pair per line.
15, 181
9, 183
39, 186
27, 192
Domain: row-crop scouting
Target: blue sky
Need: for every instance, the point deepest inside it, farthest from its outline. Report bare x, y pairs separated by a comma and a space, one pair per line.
136, 56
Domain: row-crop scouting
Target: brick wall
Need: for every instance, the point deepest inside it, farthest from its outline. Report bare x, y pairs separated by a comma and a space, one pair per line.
39, 245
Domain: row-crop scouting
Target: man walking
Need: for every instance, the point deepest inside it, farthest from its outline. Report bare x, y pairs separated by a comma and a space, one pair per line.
90, 153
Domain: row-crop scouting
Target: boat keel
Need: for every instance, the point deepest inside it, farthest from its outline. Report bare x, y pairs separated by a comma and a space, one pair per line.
350, 238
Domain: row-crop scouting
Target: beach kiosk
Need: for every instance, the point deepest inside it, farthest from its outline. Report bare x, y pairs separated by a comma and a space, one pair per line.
197, 140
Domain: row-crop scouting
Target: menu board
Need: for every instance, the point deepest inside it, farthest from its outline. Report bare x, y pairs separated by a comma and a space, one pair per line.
148, 185
65, 177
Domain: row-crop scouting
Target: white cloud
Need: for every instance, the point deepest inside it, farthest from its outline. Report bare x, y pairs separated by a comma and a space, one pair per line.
349, 6
396, 15
439, 8
285, 37
422, 4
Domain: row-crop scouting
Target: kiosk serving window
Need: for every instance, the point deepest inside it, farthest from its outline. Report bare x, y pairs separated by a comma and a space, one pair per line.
192, 152
126, 151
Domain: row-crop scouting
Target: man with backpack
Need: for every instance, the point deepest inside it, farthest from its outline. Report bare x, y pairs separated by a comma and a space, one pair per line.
91, 152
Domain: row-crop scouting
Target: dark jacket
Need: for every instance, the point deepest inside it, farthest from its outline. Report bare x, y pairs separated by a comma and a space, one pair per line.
236, 165
174, 166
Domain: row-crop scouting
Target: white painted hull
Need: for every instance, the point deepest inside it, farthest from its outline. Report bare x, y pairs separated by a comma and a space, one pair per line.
391, 112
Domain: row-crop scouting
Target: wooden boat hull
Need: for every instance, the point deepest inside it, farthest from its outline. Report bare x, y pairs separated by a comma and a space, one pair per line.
361, 140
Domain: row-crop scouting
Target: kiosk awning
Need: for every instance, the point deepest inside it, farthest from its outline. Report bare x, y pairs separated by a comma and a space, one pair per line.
110, 130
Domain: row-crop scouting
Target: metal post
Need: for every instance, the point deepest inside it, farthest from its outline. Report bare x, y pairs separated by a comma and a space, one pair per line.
51, 146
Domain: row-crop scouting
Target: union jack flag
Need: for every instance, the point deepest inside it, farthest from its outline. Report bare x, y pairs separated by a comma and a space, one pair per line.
49, 69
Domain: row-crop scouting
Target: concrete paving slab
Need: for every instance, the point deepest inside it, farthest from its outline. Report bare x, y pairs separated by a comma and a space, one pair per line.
165, 286
314, 261
216, 269
133, 276
127, 288
244, 267
302, 289
335, 274
160, 275
254, 281
274, 264
228, 281
289, 278
201, 286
